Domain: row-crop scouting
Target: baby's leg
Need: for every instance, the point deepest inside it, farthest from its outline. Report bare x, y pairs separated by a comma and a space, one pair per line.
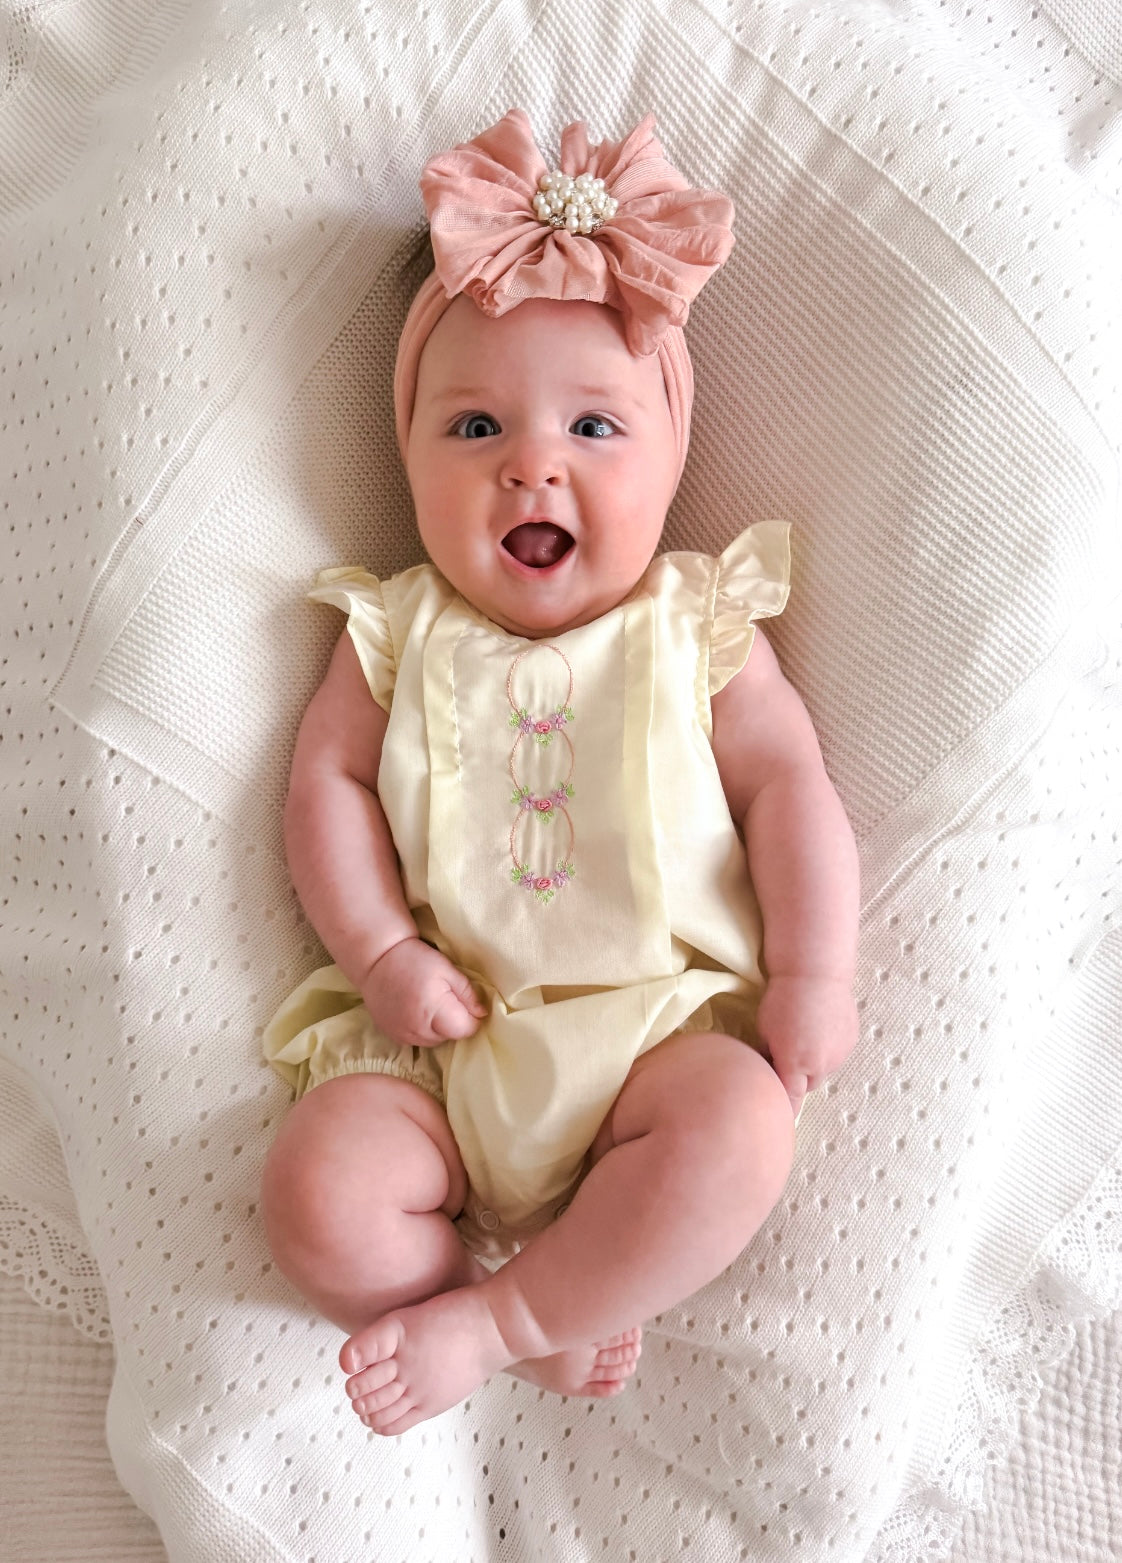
692, 1157
358, 1193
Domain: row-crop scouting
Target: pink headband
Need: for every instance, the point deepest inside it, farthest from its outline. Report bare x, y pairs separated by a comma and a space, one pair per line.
640, 240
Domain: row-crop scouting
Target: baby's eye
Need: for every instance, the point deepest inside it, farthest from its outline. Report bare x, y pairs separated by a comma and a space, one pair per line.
476, 426
593, 427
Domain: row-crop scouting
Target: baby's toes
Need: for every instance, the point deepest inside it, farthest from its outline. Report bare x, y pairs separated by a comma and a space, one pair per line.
612, 1355
604, 1388
372, 1378
614, 1364
378, 1400
398, 1418
611, 1372
371, 1346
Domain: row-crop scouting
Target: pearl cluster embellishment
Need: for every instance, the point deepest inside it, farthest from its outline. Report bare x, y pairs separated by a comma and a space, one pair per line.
576, 202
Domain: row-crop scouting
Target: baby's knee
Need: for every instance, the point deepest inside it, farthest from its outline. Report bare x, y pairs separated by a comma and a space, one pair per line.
739, 1084
352, 1156
726, 1107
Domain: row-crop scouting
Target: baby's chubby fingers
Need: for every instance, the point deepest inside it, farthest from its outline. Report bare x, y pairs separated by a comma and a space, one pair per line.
454, 1008
452, 1019
809, 1027
795, 1083
420, 998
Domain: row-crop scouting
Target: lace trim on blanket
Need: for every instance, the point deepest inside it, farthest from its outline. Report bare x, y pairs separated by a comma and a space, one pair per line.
54, 1266
1078, 1276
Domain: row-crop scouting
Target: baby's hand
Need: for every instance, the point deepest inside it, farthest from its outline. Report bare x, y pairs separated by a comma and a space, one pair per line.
418, 998
809, 1026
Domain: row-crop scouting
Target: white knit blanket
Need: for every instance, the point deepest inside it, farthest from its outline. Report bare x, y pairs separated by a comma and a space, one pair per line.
208, 238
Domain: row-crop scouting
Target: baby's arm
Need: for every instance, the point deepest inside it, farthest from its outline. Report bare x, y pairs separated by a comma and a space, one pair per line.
803, 862
343, 864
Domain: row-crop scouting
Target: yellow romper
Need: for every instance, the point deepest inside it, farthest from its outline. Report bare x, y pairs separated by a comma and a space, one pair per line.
564, 839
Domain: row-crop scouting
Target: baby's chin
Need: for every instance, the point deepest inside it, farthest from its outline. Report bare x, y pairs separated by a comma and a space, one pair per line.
535, 609
542, 626
541, 619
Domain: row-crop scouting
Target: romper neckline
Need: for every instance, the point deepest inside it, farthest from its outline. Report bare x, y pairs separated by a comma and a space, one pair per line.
478, 617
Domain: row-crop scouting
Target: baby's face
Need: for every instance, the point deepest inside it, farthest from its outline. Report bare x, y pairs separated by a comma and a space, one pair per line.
542, 461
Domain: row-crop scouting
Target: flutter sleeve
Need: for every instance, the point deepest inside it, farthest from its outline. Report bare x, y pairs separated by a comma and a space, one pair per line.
753, 580
360, 597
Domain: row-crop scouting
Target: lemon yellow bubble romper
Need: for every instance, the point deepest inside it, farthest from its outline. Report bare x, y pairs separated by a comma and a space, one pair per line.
564, 839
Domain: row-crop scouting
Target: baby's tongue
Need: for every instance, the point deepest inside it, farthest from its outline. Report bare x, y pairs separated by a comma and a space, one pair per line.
537, 543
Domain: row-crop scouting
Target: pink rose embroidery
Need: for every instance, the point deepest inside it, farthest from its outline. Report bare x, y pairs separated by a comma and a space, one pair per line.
546, 731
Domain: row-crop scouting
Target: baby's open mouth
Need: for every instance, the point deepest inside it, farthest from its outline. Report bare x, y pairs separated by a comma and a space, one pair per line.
537, 544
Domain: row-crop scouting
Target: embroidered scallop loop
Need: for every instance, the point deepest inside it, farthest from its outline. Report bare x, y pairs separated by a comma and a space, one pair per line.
543, 807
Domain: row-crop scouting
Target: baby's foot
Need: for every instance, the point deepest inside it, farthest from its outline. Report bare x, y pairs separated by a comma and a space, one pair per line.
600, 1369
419, 1361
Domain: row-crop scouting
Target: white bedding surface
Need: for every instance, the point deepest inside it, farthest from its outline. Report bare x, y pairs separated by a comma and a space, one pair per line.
1054, 1498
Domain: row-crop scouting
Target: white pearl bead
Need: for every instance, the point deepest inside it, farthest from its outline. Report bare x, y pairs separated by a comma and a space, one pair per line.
578, 202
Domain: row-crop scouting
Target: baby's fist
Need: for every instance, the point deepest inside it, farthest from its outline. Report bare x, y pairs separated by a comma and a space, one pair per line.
417, 997
809, 1026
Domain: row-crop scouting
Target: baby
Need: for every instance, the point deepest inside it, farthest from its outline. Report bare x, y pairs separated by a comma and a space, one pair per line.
561, 822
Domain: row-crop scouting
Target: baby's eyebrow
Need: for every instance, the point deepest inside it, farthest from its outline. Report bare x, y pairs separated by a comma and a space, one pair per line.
615, 398
460, 393
473, 394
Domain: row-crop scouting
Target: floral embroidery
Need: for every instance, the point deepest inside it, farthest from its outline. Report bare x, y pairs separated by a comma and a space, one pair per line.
543, 885
546, 806
543, 728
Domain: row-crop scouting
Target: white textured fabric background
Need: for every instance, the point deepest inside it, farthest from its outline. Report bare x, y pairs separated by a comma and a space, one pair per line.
1054, 1496
208, 226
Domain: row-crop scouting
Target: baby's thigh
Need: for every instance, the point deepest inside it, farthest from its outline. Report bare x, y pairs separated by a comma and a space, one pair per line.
358, 1144
707, 1087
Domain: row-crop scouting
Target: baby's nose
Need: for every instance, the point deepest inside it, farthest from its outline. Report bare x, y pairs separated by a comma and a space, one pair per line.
534, 463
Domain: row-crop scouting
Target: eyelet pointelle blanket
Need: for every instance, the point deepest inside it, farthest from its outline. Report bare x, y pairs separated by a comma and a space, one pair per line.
209, 233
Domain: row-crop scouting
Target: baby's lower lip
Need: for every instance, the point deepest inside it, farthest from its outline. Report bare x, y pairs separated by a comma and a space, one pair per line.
536, 572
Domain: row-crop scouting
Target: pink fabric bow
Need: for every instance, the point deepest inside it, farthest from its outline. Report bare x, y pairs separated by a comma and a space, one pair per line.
648, 261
